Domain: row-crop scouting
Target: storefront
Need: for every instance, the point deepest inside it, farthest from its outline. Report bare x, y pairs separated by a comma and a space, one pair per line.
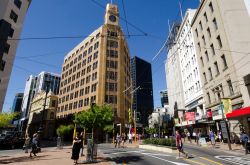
243, 116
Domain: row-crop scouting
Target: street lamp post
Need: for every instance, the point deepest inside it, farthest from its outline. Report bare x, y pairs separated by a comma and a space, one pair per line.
40, 130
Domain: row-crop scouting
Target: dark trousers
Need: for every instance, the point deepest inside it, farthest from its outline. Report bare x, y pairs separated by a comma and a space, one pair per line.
246, 146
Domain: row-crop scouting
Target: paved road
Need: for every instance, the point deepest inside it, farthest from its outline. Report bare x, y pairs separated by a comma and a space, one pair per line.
198, 155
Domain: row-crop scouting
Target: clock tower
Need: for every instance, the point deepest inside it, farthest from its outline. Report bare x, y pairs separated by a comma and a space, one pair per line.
112, 15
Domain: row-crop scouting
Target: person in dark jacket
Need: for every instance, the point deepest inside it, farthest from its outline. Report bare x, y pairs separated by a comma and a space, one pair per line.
77, 145
34, 145
244, 139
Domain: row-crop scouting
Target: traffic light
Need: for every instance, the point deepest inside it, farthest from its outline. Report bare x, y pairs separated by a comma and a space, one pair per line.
129, 116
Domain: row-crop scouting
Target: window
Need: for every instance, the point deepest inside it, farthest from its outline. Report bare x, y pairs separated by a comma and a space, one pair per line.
70, 106
86, 102
111, 87
11, 32
209, 98
95, 55
2, 65
112, 53
87, 90
204, 41
209, 32
112, 44
75, 105
230, 87
224, 62
81, 92
111, 99
200, 25
89, 59
210, 73
111, 75
13, 16
80, 104
207, 55
95, 65
93, 87
205, 16
76, 94
93, 99
202, 61
94, 76
96, 45
90, 49
112, 64
212, 49
219, 42
18, 3
196, 31
216, 68
199, 46
205, 77
211, 7
215, 24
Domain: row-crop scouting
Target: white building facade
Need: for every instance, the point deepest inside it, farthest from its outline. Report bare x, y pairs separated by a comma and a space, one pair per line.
173, 74
190, 74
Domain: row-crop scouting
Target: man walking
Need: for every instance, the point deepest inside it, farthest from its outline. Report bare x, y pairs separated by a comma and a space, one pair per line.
179, 145
244, 138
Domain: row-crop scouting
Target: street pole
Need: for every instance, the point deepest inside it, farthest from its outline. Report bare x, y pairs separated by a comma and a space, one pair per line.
135, 124
159, 124
40, 130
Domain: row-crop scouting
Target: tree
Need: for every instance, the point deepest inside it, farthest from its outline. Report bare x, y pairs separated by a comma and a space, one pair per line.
63, 130
96, 117
150, 131
6, 118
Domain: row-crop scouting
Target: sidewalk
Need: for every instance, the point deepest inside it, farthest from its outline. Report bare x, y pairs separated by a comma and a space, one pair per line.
48, 156
237, 149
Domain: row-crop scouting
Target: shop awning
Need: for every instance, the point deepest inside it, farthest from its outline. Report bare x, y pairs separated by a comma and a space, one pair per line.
239, 113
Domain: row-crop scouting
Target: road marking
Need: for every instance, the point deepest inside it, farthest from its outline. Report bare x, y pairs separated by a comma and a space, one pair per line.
165, 159
234, 159
210, 160
195, 162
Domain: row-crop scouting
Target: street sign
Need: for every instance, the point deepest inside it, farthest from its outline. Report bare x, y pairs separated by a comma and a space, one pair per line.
203, 142
224, 130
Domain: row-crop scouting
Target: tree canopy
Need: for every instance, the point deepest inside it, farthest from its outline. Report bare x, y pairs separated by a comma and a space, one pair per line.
5, 119
62, 130
95, 117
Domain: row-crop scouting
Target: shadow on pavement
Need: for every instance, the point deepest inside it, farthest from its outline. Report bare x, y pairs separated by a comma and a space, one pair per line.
125, 159
20, 159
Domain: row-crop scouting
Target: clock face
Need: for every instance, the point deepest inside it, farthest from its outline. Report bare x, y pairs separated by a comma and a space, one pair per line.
112, 18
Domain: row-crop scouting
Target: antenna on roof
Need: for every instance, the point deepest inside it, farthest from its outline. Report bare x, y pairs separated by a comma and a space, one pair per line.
181, 10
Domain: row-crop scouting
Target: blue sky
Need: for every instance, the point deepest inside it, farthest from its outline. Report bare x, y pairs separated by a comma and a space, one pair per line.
49, 18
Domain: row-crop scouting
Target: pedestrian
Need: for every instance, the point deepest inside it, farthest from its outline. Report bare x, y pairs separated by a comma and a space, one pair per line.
26, 143
219, 136
194, 136
34, 148
212, 138
130, 138
123, 140
77, 145
82, 145
118, 140
198, 138
179, 145
244, 139
189, 137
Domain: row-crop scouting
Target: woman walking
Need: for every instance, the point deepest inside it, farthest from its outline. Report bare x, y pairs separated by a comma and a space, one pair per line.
26, 143
34, 145
212, 138
77, 145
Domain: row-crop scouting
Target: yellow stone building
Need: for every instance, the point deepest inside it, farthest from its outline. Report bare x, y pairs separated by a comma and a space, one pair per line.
98, 71
38, 115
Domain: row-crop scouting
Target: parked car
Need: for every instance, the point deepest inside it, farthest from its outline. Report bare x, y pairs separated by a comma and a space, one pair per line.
11, 140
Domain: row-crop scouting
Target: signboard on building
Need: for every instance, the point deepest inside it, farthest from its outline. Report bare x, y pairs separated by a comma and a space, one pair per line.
209, 114
190, 116
227, 105
224, 130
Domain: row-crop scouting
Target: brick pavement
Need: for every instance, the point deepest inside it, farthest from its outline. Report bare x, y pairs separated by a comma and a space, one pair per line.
48, 156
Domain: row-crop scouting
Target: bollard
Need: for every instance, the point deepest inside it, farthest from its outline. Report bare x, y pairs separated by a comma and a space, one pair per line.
59, 143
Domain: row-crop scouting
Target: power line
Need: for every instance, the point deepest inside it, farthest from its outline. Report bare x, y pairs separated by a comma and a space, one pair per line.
124, 11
